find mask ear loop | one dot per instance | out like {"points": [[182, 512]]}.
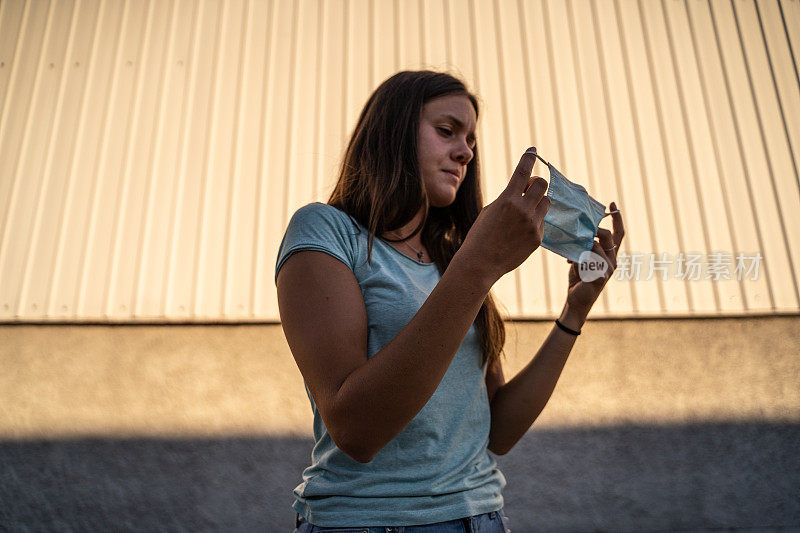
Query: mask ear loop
{"points": [[540, 158], [537, 156]]}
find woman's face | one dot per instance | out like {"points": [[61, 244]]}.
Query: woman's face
{"points": [[444, 146]]}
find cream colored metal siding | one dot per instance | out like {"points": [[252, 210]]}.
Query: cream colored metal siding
{"points": [[152, 152]]}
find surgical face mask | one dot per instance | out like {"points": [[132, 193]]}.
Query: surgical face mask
{"points": [[571, 223]]}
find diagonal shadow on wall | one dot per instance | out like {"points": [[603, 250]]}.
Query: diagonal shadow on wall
{"points": [[625, 478]]}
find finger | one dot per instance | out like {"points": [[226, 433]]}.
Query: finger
{"points": [[607, 242], [610, 253], [598, 249], [536, 190], [530, 182], [541, 209], [617, 225], [521, 176], [605, 238]]}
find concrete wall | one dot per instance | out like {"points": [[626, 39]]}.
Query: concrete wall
{"points": [[655, 425]]}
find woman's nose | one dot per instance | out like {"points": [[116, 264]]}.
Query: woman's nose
{"points": [[463, 154]]}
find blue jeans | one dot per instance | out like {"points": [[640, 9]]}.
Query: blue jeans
{"points": [[493, 522]]}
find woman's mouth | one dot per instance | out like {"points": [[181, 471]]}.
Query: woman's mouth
{"points": [[454, 174]]}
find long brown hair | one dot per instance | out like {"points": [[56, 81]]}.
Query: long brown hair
{"points": [[380, 184]]}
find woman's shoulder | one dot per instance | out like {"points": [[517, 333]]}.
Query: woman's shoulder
{"points": [[322, 227], [318, 213]]}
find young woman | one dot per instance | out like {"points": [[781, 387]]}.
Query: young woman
{"points": [[384, 300]]}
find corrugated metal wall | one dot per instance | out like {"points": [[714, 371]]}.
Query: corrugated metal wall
{"points": [[151, 152]]}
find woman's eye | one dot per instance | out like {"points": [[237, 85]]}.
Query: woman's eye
{"points": [[445, 131]]}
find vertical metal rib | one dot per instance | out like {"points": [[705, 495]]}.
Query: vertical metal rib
{"points": [[13, 197], [257, 277], [47, 171], [637, 133], [183, 154], [741, 148], [612, 137], [664, 141], [777, 93], [97, 176], [210, 143]]}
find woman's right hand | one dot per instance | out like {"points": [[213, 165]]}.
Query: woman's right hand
{"points": [[509, 229]]}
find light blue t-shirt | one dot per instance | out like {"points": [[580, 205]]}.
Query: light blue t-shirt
{"points": [[438, 467]]}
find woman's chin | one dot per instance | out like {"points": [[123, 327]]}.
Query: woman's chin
{"points": [[442, 203], [443, 199]]}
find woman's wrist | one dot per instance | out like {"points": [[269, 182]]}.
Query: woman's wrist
{"points": [[572, 317], [477, 271]]}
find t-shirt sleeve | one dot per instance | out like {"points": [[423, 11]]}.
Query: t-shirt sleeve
{"points": [[323, 228]]}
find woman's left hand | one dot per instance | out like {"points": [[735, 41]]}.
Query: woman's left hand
{"points": [[583, 294]]}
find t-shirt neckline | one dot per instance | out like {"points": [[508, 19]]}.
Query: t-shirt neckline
{"points": [[415, 261], [395, 250]]}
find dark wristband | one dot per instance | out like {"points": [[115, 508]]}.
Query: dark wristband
{"points": [[565, 328]]}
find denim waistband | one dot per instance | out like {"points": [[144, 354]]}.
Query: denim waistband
{"points": [[467, 520]]}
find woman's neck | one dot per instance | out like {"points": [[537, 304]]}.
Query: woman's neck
{"points": [[412, 245], [407, 229]]}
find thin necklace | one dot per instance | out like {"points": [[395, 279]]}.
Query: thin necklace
{"points": [[419, 254]]}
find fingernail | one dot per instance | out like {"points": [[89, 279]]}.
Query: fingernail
{"points": [[531, 150]]}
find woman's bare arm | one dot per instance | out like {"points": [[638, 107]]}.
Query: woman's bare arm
{"points": [[364, 402], [518, 403]]}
